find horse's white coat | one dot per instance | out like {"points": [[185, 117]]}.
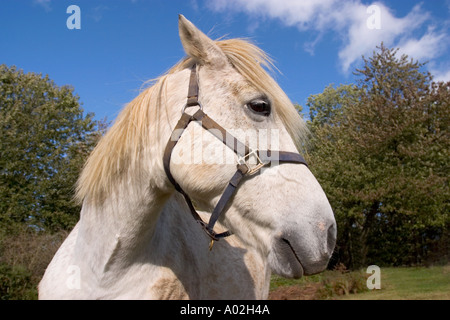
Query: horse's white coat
{"points": [[140, 240]]}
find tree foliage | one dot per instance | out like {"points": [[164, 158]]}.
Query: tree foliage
{"points": [[44, 140], [380, 148]]}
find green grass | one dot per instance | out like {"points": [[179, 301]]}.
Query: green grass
{"points": [[410, 284], [326, 285], [413, 283]]}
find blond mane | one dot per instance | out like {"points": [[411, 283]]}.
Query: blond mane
{"points": [[118, 152]]}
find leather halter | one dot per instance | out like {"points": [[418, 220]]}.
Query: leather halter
{"points": [[241, 149]]}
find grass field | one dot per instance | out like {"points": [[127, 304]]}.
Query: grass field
{"points": [[412, 283]]}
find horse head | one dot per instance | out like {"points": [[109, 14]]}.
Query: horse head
{"points": [[281, 210]]}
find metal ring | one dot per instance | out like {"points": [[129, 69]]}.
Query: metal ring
{"points": [[259, 164], [193, 105]]}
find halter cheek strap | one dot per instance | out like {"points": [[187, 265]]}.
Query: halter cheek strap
{"points": [[241, 149]]}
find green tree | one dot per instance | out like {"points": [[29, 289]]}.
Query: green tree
{"points": [[44, 140], [380, 149]]}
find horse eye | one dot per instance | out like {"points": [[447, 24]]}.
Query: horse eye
{"points": [[260, 106]]}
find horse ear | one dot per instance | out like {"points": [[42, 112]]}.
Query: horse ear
{"points": [[198, 46]]}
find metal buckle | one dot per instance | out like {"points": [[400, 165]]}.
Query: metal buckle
{"points": [[243, 161]]}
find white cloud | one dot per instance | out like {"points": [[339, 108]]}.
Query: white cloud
{"points": [[441, 74], [291, 12], [44, 3], [429, 46], [360, 39], [96, 13], [352, 21]]}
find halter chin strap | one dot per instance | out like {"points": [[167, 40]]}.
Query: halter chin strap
{"points": [[241, 149]]}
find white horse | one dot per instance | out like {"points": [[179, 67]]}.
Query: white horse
{"points": [[136, 238]]}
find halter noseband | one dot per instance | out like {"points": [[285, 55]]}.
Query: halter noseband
{"points": [[243, 151]]}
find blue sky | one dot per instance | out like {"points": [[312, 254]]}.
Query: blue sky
{"points": [[123, 43]]}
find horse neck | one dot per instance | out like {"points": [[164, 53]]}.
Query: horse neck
{"points": [[111, 235], [179, 244], [158, 232], [113, 232]]}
